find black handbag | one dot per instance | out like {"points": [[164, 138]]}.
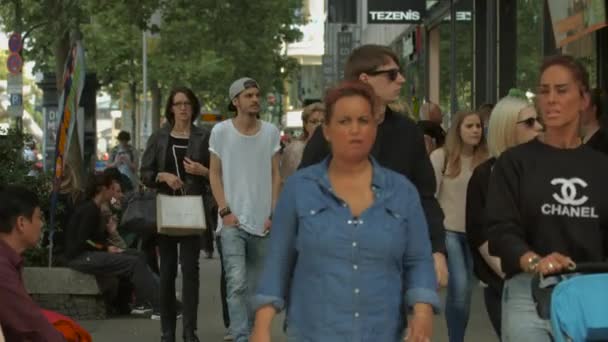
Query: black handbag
{"points": [[139, 215]]}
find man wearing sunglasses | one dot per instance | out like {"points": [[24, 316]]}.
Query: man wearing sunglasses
{"points": [[399, 143]]}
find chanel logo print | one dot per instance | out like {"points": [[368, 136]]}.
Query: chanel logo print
{"points": [[568, 193]]}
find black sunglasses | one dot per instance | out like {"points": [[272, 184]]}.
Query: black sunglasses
{"points": [[391, 73], [529, 122]]}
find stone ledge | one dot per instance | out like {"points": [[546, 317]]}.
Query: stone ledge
{"points": [[59, 280], [71, 293]]}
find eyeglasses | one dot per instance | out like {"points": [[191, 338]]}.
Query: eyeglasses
{"points": [[316, 122], [391, 73], [182, 104], [529, 122]]}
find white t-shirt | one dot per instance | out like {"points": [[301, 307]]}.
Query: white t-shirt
{"points": [[246, 171]]}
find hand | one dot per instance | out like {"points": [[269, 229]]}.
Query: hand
{"points": [[195, 168], [554, 263], [112, 225], [115, 250], [267, 225], [171, 180], [420, 328], [441, 269], [259, 335], [230, 220]]}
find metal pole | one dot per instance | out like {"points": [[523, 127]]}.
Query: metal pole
{"points": [[144, 107], [453, 66]]}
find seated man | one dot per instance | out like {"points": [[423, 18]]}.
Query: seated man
{"points": [[88, 251], [20, 228]]}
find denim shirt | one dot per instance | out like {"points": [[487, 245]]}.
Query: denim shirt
{"points": [[345, 278]]}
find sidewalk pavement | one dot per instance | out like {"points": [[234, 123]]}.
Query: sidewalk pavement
{"points": [[211, 328]]}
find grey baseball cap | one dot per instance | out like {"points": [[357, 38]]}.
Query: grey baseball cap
{"points": [[238, 86]]}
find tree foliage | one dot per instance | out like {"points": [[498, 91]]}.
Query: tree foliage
{"points": [[205, 44]]}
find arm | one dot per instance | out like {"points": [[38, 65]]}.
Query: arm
{"points": [[316, 149], [215, 178], [475, 213], [506, 233], [276, 179], [438, 162], [424, 179], [149, 169], [418, 277], [274, 283], [19, 312]]}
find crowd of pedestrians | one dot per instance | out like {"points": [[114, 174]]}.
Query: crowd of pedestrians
{"points": [[354, 227]]}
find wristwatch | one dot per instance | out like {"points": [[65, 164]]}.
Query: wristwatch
{"points": [[225, 212], [533, 262]]}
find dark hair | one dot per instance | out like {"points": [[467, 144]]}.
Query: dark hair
{"points": [[575, 67], [345, 89], [123, 136], [196, 105], [367, 58], [599, 99], [97, 181], [16, 201]]}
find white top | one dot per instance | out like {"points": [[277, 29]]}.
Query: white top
{"points": [[246, 171], [452, 192]]}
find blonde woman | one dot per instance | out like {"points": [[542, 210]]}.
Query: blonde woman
{"points": [[513, 121], [465, 148], [312, 116]]}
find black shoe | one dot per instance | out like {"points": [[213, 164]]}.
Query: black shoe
{"points": [[191, 337]]}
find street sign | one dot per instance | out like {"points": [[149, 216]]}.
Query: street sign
{"points": [[16, 99], [15, 111], [14, 42], [14, 83], [14, 63]]}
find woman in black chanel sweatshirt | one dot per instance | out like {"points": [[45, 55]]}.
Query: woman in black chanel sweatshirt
{"points": [[547, 204]]}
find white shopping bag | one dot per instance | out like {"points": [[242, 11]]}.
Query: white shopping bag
{"points": [[180, 215]]}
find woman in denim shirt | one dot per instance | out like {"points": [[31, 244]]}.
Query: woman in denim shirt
{"points": [[349, 247]]}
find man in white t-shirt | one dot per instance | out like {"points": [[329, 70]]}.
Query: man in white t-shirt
{"points": [[244, 175]]}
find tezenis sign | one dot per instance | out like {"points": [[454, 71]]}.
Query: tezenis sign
{"points": [[395, 11]]}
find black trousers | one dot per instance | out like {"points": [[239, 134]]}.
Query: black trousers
{"points": [[189, 251], [129, 264], [493, 299], [223, 291]]}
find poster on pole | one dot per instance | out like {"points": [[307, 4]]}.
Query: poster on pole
{"points": [[73, 84], [573, 19]]}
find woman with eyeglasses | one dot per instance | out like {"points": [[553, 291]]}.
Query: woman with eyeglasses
{"points": [[513, 121], [176, 162], [465, 148], [312, 117], [547, 206]]}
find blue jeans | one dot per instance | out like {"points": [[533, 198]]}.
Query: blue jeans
{"points": [[460, 284], [243, 258], [520, 321]]}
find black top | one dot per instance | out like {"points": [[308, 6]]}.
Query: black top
{"points": [[433, 130], [599, 141], [477, 233], [174, 163], [399, 146], [546, 199], [85, 224]]}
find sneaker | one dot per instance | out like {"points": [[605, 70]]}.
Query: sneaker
{"points": [[155, 316], [228, 337], [141, 310]]}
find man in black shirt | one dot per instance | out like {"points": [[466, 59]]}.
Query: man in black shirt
{"points": [[399, 144], [430, 124], [594, 135]]}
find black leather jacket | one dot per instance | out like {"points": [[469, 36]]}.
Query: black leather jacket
{"points": [[153, 160]]}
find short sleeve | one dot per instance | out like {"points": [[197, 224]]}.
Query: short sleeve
{"points": [[276, 139], [214, 140]]}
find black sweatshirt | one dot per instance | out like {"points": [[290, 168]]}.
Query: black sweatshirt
{"points": [[477, 232], [85, 224], [399, 146], [545, 199], [599, 141]]}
